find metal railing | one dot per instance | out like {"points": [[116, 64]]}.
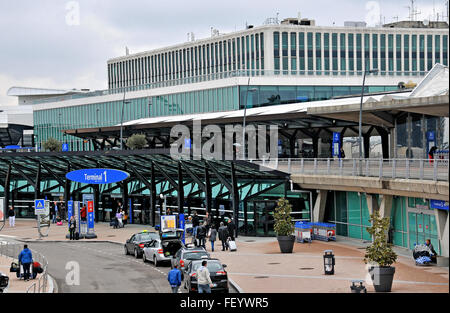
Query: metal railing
{"points": [[436, 170], [224, 75], [12, 250]]}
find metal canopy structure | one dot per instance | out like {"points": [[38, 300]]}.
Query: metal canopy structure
{"points": [[152, 170]]}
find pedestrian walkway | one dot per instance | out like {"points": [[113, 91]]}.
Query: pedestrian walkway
{"points": [[15, 285], [258, 266]]}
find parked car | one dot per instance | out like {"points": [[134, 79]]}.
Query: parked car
{"points": [[171, 241], [153, 252], [219, 276], [136, 243], [187, 254]]}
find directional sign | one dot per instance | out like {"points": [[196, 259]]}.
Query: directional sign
{"points": [[39, 207], [439, 204], [65, 147], [97, 176]]}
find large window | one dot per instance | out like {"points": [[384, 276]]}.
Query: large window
{"points": [[391, 54], [343, 56], [351, 54], [429, 52], [445, 49], [284, 44], [406, 68], [276, 51], [398, 53], [383, 54], [437, 49], [294, 53], [359, 54], [310, 53], [334, 52], [374, 51], [326, 52], [414, 54], [318, 53], [301, 52]]}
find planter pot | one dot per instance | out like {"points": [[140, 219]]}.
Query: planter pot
{"points": [[382, 278], [286, 243]]}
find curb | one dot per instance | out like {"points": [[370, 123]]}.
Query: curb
{"points": [[235, 286]]}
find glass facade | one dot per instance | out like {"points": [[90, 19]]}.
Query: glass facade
{"points": [[412, 221], [260, 96], [50, 123]]}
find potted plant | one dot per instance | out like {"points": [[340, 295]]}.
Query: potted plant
{"points": [[283, 226], [379, 255]]}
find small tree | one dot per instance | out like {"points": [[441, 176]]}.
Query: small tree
{"points": [[136, 141], [283, 221], [52, 145], [380, 251]]}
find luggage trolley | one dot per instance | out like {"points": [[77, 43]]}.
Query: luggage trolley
{"points": [[303, 232]]}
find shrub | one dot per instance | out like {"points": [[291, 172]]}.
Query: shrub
{"points": [[136, 141], [380, 251], [283, 221], [52, 144]]}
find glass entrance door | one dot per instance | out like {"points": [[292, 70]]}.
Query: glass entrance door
{"points": [[422, 227], [263, 217]]}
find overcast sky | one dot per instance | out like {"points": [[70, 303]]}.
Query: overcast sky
{"points": [[66, 44]]}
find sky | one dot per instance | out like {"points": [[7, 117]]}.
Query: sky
{"points": [[66, 44]]}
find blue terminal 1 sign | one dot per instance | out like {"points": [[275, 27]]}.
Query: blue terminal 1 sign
{"points": [[97, 176], [439, 204]]}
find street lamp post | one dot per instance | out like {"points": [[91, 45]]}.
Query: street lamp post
{"points": [[245, 115], [121, 121], [360, 118]]}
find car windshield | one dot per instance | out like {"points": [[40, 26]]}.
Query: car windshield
{"points": [[147, 236], [212, 266], [195, 255]]}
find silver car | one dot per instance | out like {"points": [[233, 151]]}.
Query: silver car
{"points": [[154, 253]]}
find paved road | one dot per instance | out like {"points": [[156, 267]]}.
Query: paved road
{"points": [[103, 268]]}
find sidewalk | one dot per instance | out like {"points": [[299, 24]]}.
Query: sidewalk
{"points": [[15, 285], [258, 266]]}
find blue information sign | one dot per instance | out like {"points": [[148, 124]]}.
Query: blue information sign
{"points": [[439, 204], [39, 206], [182, 226], [65, 147], [130, 211], [336, 144], [97, 176], [69, 209]]}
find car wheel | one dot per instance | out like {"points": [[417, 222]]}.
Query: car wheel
{"points": [[144, 258], [126, 250], [155, 261], [136, 254]]}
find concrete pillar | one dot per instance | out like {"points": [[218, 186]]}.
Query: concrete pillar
{"points": [[386, 206], [319, 206], [442, 228], [372, 203]]}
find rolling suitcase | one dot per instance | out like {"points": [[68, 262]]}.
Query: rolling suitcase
{"points": [[232, 245], [77, 236]]}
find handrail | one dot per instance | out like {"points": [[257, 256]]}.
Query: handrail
{"points": [[422, 169], [12, 250]]}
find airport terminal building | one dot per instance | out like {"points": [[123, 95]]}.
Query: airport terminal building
{"points": [[304, 79]]}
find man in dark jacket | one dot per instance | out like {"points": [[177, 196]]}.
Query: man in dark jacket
{"points": [[223, 236], [201, 235], [26, 258], [231, 227], [195, 223]]}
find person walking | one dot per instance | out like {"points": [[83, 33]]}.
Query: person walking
{"points": [[52, 212], [26, 258], [431, 154], [195, 224], [119, 218], [201, 235], [72, 227], [231, 228], [223, 236], [124, 217], [212, 237], [174, 278], [204, 279], [12, 217]]}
